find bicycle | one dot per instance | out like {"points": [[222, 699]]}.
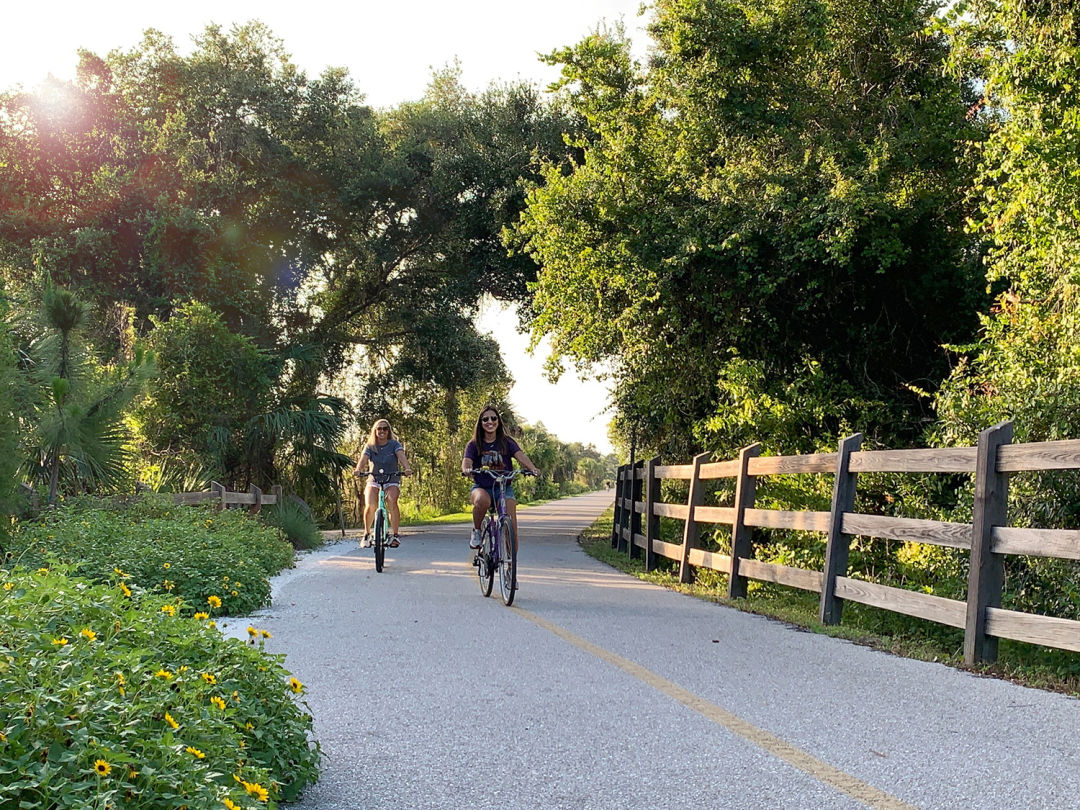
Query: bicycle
{"points": [[382, 515], [498, 541]]}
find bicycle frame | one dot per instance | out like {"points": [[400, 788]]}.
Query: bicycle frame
{"points": [[382, 515], [492, 555]]}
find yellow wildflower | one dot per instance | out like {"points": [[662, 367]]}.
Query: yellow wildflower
{"points": [[202, 615], [218, 702], [88, 634], [234, 593], [256, 790], [231, 805], [172, 723], [210, 679], [8, 586], [195, 752], [252, 631], [163, 673], [168, 584], [166, 566], [296, 686], [125, 589], [102, 767], [59, 642], [214, 601], [265, 634], [168, 610]]}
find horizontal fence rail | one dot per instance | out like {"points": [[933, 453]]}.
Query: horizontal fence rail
{"points": [[988, 538], [223, 498]]}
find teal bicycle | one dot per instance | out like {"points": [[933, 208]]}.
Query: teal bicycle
{"points": [[382, 515]]}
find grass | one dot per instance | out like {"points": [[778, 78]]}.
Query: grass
{"points": [[1028, 665]]}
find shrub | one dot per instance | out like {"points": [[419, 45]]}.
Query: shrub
{"points": [[109, 698], [295, 522], [188, 552]]}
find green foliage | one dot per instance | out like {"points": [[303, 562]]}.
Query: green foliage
{"points": [[295, 522], [776, 192], [211, 380], [110, 699], [74, 418], [196, 554], [9, 434]]}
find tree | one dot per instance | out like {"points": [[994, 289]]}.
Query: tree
{"points": [[77, 433], [770, 205], [1026, 364]]}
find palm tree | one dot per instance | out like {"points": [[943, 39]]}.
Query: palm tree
{"points": [[77, 408]]}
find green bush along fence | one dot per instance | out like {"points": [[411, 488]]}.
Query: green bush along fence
{"points": [[988, 537]]}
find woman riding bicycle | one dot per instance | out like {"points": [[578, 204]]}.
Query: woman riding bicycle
{"points": [[382, 453], [491, 447]]}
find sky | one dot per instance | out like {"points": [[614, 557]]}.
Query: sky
{"points": [[390, 49]]}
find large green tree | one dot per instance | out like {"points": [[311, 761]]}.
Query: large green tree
{"points": [[1026, 367], [764, 233]]}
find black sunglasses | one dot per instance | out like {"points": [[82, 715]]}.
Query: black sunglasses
{"points": [[489, 419]]}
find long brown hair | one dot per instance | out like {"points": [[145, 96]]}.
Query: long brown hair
{"points": [[478, 431]]}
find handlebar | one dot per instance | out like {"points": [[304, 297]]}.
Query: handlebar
{"points": [[380, 476], [498, 475]]}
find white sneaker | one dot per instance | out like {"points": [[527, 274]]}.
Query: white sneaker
{"points": [[366, 542], [474, 541]]}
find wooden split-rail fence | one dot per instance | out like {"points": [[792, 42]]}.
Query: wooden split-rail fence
{"points": [[988, 537], [223, 498]]}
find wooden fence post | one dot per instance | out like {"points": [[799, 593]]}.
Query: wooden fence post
{"points": [[652, 521], [276, 491], [257, 506], [616, 521], [838, 544], [221, 491], [635, 514], [986, 573], [690, 530], [745, 489]]}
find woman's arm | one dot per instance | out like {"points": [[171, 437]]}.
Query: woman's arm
{"points": [[363, 463], [524, 461], [403, 462]]}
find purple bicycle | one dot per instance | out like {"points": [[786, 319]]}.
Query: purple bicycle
{"points": [[498, 542]]}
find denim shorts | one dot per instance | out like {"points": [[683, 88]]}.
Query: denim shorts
{"points": [[508, 491]]}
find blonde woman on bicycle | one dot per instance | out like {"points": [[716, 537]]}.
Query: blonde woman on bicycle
{"points": [[383, 452], [491, 447]]}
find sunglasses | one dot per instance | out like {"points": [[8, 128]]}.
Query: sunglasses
{"points": [[383, 427], [489, 419]]}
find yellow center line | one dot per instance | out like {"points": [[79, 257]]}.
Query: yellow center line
{"points": [[770, 743]]}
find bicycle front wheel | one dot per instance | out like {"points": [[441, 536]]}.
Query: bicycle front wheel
{"points": [[507, 561], [485, 570], [380, 540]]}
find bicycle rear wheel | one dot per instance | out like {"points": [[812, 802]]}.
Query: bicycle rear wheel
{"points": [[380, 540], [507, 561], [484, 568]]}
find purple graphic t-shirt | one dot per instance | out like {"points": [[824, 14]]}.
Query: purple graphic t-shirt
{"points": [[491, 455]]}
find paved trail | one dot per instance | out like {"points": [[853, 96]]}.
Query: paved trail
{"points": [[598, 691]]}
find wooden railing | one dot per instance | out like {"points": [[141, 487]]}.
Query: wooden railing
{"points": [[218, 494], [988, 537]]}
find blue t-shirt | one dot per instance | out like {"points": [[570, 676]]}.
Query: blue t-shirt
{"points": [[384, 458], [491, 455]]}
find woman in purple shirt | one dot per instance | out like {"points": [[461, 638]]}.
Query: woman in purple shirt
{"points": [[491, 447]]}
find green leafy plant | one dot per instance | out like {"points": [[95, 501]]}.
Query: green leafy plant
{"points": [[108, 697], [195, 554]]}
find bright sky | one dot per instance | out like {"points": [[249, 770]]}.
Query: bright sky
{"points": [[390, 49]]}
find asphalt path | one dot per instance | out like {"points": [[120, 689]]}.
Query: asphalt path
{"points": [[596, 690]]}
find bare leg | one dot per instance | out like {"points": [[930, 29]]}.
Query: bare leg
{"points": [[392, 507], [480, 503], [371, 502], [511, 510]]}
